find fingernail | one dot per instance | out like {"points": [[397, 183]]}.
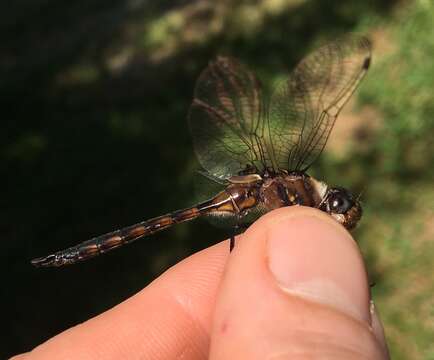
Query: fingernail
{"points": [[377, 328], [312, 258]]}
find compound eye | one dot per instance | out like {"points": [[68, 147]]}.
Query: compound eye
{"points": [[340, 203]]}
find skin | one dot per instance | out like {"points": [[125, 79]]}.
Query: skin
{"points": [[295, 287]]}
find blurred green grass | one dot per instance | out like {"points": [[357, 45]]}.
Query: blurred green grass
{"points": [[398, 233], [94, 137]]}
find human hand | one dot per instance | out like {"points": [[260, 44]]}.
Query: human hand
{"points": [[294, 287]]}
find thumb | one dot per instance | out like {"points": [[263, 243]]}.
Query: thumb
{"points": [[295, 287]]}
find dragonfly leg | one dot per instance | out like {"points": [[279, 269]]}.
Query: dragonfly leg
{"points": [[238, 229], [232, 243]]}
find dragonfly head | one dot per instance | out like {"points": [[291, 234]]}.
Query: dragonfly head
{"points": [[342, 206]]}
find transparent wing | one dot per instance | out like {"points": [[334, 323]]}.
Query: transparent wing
{"points": [[226, 119], [304, 107]]}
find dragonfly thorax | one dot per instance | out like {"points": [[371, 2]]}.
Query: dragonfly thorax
{"points": [[292, 189]]}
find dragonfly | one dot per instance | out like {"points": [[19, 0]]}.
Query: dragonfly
{"points": [[258, 144]]}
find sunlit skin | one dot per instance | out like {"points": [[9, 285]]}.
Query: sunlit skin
{"points": [[254, 303]]}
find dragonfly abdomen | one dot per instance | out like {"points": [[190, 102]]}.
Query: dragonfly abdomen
{"points": [[101, 244], [234, 199]]}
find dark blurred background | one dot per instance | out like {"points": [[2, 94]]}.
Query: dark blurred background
{"points": [[94, 96]]}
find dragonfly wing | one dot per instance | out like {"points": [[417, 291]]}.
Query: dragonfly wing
{"points": [[225, 119], [304, 107]]}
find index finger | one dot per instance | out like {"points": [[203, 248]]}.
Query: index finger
{"points": [[170, 318]]}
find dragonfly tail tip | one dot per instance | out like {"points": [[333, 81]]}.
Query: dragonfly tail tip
{"points": [[44, 261]]}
